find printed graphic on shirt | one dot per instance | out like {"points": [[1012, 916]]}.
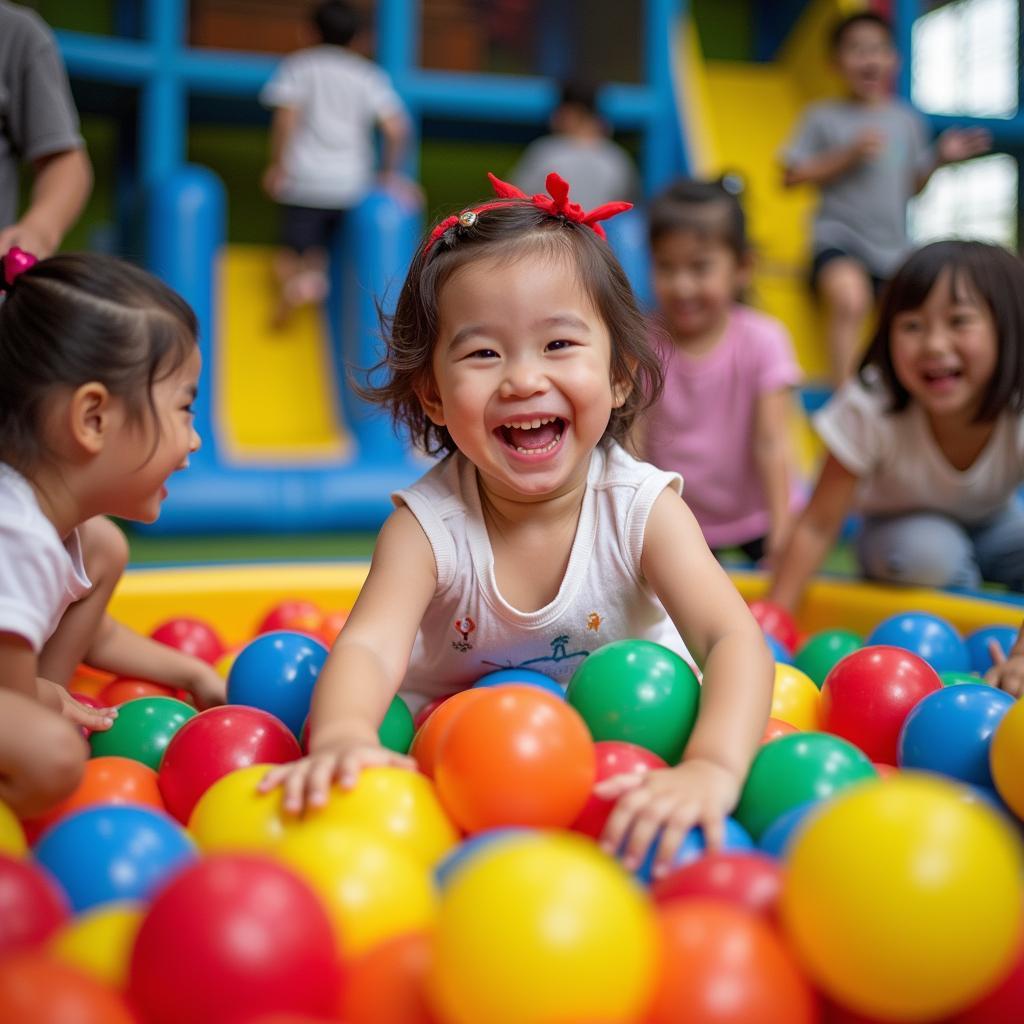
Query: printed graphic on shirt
{"points": [[594, 622], [560, 662], [464, 627]]}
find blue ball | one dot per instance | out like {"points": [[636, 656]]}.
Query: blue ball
{"points": [[693, 846], [778, 649], [927, 636], [524, 676], [467, 850], [777, 836], [277, 672], [950, 732], [977, 645], [113, 852]]}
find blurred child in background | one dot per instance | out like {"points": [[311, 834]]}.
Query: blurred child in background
{"points": [[723, 419]]}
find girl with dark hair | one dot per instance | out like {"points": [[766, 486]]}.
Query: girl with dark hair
{"points": [[98, 372], [928, 440], [517, 349]]}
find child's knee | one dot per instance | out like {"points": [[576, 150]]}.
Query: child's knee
{"points": [[57, 766], [921, 557], [104, 549]]}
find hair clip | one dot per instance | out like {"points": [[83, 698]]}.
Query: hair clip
{"points": [[15, 263], [556, 203]]}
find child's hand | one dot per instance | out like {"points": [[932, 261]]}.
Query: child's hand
{"points": [[273, 180], [1007, 673], [956, 144], [307, 782], [869, 144], [671, 800], [94, 719], [207, 686]]}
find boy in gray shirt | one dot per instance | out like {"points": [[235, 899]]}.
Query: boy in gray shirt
{"points": [[868, 153]]}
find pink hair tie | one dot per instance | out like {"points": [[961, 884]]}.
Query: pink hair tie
{"points": [[15, 263]]}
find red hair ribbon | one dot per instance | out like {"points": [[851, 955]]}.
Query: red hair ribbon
{"points": [[16, 262], [557, 203]]}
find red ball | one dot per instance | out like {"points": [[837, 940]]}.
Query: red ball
{"points": [[868, 694], [515, 755], [120, 691], [193, 636], [749, 879], [776, 728], [214, 743], [387, 984], [428, 709], [722, 964], [32, 906], [1004, 1003], [231, 938], [613, 758], [296, 616], [777, 622]]}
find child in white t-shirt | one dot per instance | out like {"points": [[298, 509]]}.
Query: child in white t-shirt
{"points": [[98, 372], [327, 101], [928, 440]]}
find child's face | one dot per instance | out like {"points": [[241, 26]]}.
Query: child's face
{"points": [[696, 281], [143, 468], [867, 61], [521, 374], [945, 351]]}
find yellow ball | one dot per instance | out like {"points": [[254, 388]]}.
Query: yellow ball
{"points": [[100, 941], [1007, 758], [371, 889], [543, 929], [12, 835], [225, 661], [396, 804], [902, 899], [795, 698], [232, 816]]}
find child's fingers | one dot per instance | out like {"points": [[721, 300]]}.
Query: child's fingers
{"points": [[295, 787], [321, 776], [679, 823], [397, 760], [647, 820], [713, 827], [995, 652], [275, 777], [614, 786]]}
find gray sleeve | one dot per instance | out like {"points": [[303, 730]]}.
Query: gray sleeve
{"points": [[41, 118], [922, 153], [531, 170], [808, 139]]}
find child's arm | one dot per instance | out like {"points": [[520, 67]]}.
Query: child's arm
{"points": [[735, 697], [774, 458], [814, 533], [395, 134], [952, 146], [1007, 672], [282, 128], [364, 669], [834, 163]]}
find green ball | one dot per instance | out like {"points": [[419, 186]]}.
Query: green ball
{"points": [[954, 678], [639, 692], [142, 729], [396, 731], [821, 652], [794, 769]]}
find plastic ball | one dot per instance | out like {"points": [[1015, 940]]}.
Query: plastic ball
{"points": [[396, 730], [638, 692], [108, 853], [99, 942], [824, 650], [296, 615], [777, 622], [723, 964], [515, 756], [780, 652], [958, 678], [795, 698], [32, 905], [12, 835], [142, 730], [613, 758], [394, 804], [869, 694], [193, 636], [105, 780], [693, 847], [331, 627], [568, 919], [880, 924], [1002, 1003], [38, 989], [387, 985], [431, 733], [371, 889], [928, 636], [777, 837], [794, 769], [978, 644], [1006, 758], [776, 728], [277, 672], [743, 877], [120, 691], [950, 732], [215, 743], [230, 938], [233, 816], [225, 661], [421, 716], [468, 849], [521, 676]]}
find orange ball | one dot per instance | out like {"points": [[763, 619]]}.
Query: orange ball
{"points": [[428, 738], [331, 625], [515, 756], [37, 990], [298, 615], [387, 984], [723, 964], [120, 691], [775, 728]]}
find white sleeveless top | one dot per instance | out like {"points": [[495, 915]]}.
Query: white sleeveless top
{"points": [[469, 629]]}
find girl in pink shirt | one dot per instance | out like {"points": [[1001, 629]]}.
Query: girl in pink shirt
{"points": [[723, 418]]}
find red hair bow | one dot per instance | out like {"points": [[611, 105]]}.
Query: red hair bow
{"points": [[16, 262], [556, 203]]}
